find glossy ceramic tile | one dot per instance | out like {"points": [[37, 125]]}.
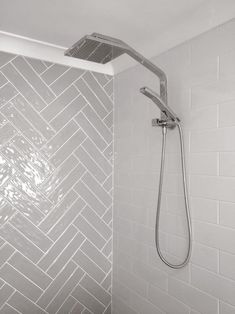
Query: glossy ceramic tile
{"points": [[55, 188], [201, 78]]}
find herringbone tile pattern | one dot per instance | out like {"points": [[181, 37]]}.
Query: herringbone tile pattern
{"points": [[56, 145]]}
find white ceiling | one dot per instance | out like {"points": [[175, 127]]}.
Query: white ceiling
{"points": [[150, 26]]}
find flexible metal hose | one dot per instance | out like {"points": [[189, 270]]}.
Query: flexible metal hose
{"points": [[186, 201]]}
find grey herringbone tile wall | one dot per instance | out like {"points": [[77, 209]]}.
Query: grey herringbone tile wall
{"points": [[56, 144]]}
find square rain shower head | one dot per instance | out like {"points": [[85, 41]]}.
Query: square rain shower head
{"points": [[96, 48]]}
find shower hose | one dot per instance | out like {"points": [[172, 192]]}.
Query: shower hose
{"points": [[186, 201]]}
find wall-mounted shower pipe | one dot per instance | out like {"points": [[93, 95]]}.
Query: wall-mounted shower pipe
{"points": [[153, 68], [102, 49]]}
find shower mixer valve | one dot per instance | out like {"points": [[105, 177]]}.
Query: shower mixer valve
{"points": [[168, 123]]}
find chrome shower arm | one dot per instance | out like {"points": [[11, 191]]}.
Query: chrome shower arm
{"points": [[153, 68]]}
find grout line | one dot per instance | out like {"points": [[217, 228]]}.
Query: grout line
{"points": [[84, 310], [90, 260], [72, 309], [53, 177], [74, 119], [20, 173], [218, 68], [54, 136], [100, 182], [28, 279], [20, 114], [36, 113], [101, 87], [100, 185], [99, 251], [95, 73], [99, 119], [69, 296], [1, 67], [53, 246], [92, 125], [5, 84], [13, 215], [47, 68], [64, 108], [27, 83], [72, 221], [67, 194], [55, 223], [106, 174], [36, 227], [58, 256], [6, 261], [14, 290], [89, 87], [26, 238], [13, 308], [22, 193], [65, 177], [57, 96], [110, 255], [11, 143], [53, 279], [93, 295], [19, 133], [35, 265], [93, 194], [108, 82], [60, 288], [218, 213], [218, 263], [92, 228], [95, 214], [99, 284], [45, 63], [106, 276], [69, 68], [75, 133], [102, 217], [10, 100], [55, 206], [39, 77], [70, 85]]}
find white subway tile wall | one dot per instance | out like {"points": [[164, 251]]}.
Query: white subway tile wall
{"points": [[56, 169], [201, 87]]}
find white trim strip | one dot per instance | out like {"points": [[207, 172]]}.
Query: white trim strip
{"points": [[47, 52]]}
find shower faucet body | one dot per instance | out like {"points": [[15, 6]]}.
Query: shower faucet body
{"points": [[102, 49]]}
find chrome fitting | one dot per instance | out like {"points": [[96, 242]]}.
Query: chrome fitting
{"points": [[170, 124]]}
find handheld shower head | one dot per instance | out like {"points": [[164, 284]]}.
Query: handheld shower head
{"points": [[167, 111]]}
